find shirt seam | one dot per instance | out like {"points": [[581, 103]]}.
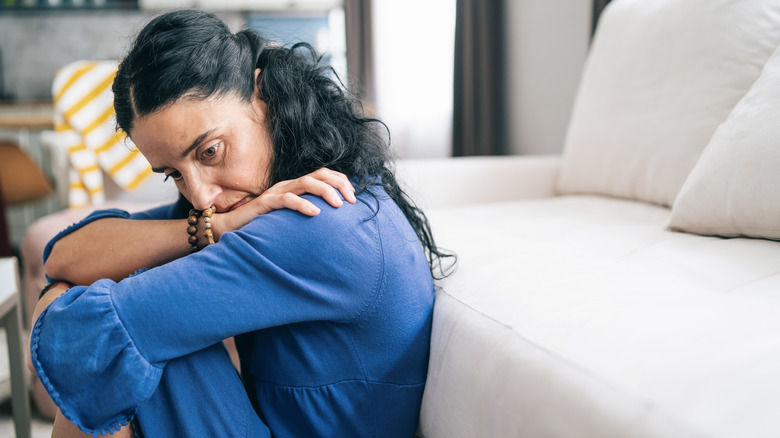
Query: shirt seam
{"points": [[369, 305], [124, 327], [379, 272]]}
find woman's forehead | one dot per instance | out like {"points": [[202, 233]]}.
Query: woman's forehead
{"points": [[185, 118]]}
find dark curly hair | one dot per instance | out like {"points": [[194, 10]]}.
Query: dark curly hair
{"points": [[314, 121]]}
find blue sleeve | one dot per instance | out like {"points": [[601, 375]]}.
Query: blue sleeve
{"points": [[162, 212], [167, 211], [281, 268]]}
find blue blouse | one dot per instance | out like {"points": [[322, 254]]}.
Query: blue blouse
{"points": [[334, 311]]}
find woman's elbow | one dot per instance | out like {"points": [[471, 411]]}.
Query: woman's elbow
{"points": [[54, 269], [58, 266]]}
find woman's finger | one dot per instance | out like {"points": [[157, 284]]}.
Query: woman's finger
{"points": [[320, 188], [325, 183], [292, 201], [311, 185], [338, 181], [321, 182]]}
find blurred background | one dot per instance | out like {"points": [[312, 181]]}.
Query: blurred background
{"points": [[525, 58], [448, 77], [409, 86]]}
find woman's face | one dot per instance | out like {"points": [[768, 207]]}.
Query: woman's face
{"points": [[217, 150]]}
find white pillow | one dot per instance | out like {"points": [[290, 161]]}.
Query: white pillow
{"points": [[734, 190], [660, 77]]}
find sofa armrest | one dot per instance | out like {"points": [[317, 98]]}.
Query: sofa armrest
{"points": [[445, 182]]}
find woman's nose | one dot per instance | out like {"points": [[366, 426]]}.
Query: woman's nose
{"points": [[203, 194]]}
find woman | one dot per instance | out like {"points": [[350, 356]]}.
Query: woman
{"points": [[331, 307]]}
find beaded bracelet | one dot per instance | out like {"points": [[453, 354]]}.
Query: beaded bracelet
{"points": [[52, 284], [192, 229], [207, 233]]}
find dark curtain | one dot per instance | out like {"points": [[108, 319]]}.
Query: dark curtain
{"points": [[360, 57], [598, 6], [479, 126]]}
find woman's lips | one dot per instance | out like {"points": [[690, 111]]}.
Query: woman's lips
{"points": [[238, 204]]}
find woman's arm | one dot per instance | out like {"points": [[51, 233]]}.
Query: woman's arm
{"points": [[282, 268], [114, 248]]}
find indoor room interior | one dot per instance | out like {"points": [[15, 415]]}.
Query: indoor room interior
{"points": [[605, 171]]}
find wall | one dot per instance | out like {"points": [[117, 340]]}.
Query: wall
{"points": [[547, 43], [35, 45]]}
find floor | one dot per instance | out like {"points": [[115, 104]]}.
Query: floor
{"points": [[41, 428]]}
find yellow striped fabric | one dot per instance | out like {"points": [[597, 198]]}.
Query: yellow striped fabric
{"points": [[85, 122]]}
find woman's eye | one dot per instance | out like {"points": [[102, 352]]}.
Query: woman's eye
{"points": [[176, 175], [209, 152]]}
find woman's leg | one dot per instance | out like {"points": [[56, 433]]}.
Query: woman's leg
{"points": [[200, 395], [63, 428]]}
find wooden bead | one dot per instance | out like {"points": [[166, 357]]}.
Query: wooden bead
{"points": [[193, 240], [192, 220], [192, 230], [209, 235]]}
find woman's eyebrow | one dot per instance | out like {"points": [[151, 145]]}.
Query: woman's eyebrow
{"points": [[190, 148], [198, 141]]}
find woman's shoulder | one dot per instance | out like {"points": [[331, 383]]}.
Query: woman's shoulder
{"points": [[340, 247], [346, 232], [331, 220]]}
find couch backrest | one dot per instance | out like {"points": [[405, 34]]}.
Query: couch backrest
{"points": [[661, 76]]}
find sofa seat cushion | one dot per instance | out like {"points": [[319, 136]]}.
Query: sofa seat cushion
{"points": [[582, 316]]}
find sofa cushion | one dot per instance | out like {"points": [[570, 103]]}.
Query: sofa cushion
{"points": [[21, 180], [660, 77], [733, 190], [582, 316]]}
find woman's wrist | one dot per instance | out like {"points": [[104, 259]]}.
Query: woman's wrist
{"points": [[53, 285], [203, 228], [219, 224]]}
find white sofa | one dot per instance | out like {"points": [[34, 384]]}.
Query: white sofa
{"points": [[629, 287]]}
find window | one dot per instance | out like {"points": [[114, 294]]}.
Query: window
{"points": [[323, 29]]}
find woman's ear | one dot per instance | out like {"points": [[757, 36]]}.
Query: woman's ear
{"points": [[257, 80]]}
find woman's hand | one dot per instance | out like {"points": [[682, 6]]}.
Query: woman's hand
{"points": [[287, 194]]}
